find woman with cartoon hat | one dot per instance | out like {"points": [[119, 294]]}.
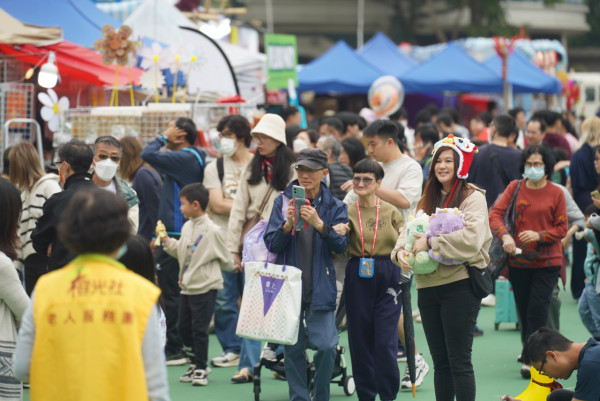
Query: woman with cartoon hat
{"points": [[446, 300]]}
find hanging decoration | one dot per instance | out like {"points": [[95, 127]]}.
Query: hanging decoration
{"points": [[52, 108], [116, 48]]}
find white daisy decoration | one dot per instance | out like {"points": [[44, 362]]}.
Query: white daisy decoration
{"points": [[52, 108], [156, 56], [152, 79]]}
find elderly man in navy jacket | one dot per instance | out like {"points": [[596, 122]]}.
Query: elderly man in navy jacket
{"points": [[310, 250]]}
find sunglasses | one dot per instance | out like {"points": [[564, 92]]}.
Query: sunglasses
{"points": [[366, 180], [115, 159]]}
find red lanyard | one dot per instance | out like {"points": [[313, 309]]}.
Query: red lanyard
{"points": [[362, 235]]}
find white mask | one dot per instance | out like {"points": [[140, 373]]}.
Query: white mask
{"points": [[106, 169], [298, 145], [227, 146]]}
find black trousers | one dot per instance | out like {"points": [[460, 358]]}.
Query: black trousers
{"points": [[577, 273], [560, 395], [449, 313], [167, 272], [35, 266], [195, 313], [533, 291]]}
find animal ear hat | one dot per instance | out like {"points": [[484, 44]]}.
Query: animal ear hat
{"points": [[463, 147]]}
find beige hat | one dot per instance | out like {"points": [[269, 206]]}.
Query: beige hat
{"points": [[271, 125]]}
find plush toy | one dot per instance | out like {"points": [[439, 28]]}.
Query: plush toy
{"points": [[421, 262], [445, 221], [161, 232], [540, 386]]}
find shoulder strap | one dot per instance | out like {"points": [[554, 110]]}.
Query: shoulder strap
{"points": [[499, 168], [264, 202], [220, 168], [195, 153]]}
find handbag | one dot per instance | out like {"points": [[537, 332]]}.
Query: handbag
{"points": [[252, 221], [481, 280], [270, 309], [498, 256]]}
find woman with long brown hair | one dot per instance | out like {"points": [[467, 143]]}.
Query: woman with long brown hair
{"points": [[36, 188], [145, 181], [13, 300], [448, 305]]}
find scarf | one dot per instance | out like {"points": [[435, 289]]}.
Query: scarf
{"points": [[267, 167]]}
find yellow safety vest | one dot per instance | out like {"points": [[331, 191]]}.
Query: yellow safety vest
{"points": [[90, 319]]}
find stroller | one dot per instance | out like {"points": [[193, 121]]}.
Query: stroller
{"points": [[339, 375]]}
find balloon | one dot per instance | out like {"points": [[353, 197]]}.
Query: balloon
{"points": [[386, 95]]}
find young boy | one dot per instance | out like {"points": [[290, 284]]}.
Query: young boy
{"points": [[201, 253]]}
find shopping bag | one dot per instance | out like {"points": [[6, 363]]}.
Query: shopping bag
{"points": [[271, 303], [255, 249], [498, 257]]}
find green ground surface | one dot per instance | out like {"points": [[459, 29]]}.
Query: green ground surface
{"points": [[494, 359]]}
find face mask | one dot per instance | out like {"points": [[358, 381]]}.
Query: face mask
{"points": [[122, 251], [298, 145], [534, 173], [227, 146], [106, 169]]}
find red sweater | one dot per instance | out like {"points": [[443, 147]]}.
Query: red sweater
{"points": [[541, 210]]}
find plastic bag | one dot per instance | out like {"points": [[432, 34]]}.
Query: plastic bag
{"points": [[255, 249]]}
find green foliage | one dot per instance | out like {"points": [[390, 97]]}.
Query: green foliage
{"points": [[592, 38]]}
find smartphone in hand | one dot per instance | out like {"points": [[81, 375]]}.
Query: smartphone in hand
{"points": [[299, 195]]}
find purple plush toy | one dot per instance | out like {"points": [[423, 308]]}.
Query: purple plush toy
{"points": [[445, 221]]}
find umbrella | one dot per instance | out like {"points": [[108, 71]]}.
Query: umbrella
{"points": [[409, 333]]}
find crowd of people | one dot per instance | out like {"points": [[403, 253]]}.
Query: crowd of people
{"points": [[129, 252]]}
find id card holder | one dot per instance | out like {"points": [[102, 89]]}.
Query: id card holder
{"points": [[366, 267]]}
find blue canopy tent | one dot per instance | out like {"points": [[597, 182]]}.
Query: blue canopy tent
{"points": [[80, 20], [383, 54], [338, 70], [524, 76], [451, 70]]}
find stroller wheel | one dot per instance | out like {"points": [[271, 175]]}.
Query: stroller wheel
{"points": [[349, 386], [256, 391]]}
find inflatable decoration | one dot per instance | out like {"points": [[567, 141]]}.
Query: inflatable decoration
{"points": [[386, 96]]}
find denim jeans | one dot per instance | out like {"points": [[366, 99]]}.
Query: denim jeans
{"points": [[449, 313], [320, 335], [227, 312], [589, 309]]}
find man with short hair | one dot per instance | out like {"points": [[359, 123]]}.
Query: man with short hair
{"points": [[183, 165], [444, 124], [331, 126], [555, 356], [338, 173], [535, 131], [552, 136], [350, 124], [426, 136], [222, 179], [75, 158], [291, 115], [107, 156], [496, 164]]}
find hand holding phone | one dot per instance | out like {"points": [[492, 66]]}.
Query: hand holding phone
{"points": [[299, 196]]}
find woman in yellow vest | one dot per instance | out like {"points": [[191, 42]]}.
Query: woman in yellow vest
{"points": [[92, 330]]}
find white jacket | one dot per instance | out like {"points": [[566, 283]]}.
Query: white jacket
{"points": [[33, 203]]}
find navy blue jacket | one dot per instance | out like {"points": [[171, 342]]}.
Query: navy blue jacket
{"points": [[332, 211], [148, 185], [179, 168], [584, 178]]}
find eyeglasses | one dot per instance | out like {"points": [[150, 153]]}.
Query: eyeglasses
{"points": [[302, 169], [260, 138], [366, 180], [227, 134], [102, 156], [536, 164], [541, 369], [58, 164]]}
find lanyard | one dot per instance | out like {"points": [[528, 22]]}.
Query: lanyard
{"points": [[360, 225], [189, 257]]}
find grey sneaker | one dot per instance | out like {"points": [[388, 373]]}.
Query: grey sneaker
{"points": [[199, 378], [421, 370], [225, 360]]}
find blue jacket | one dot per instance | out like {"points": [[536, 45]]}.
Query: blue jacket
{"points": [[332, 211], [179, 168], [584, 178]]}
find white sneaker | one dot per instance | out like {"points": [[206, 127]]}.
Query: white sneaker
{"points": [[421, 370], [268, 354], [490, 300], [199, 378], [187, 376], [225, 360]]}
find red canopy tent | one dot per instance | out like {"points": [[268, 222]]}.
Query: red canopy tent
{"points": [[76, 62]]}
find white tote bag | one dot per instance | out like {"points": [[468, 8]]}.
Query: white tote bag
{"points": [[270, 308]]}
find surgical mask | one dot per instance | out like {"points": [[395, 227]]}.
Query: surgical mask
{"points": [[227, 146], [298, 145], [534, 173], [122, 251], [106, 169]]}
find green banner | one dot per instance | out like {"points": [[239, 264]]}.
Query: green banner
{"points": [[282, 57]]}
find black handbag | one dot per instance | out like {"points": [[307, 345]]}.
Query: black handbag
{"points": [[498, 256], [481, 280]]}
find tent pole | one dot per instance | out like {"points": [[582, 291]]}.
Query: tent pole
{"points": [[360, 29]]}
